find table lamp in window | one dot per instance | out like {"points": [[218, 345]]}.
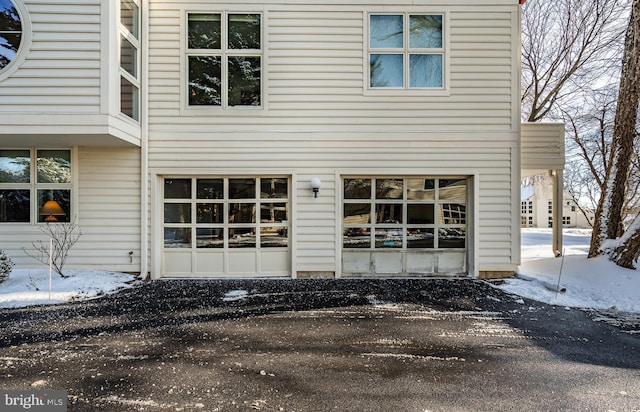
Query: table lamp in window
{"points": [[50, 210]]}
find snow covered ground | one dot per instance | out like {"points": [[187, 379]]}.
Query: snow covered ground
{"points": [[593, 283]]}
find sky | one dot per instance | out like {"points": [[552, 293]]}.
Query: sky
{"points": [[584, 283]]}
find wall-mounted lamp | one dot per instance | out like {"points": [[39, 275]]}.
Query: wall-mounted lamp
{"points": [[315, 186], [51, 209]]}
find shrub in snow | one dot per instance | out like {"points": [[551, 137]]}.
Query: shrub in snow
{"points": [[5, 265]]}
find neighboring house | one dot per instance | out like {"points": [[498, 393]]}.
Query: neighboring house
{"points": [[280, 138], [537, 208]]}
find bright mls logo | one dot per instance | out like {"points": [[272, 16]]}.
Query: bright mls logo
{"points": [[44, 401]]}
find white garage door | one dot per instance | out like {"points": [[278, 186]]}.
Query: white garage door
{"points": [[226, 227], [404, 226]]}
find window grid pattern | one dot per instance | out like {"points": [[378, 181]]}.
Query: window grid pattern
{"points": [[31, 177], [406, 51], [226, 213], [130, 58], [224, 59], [404, 213]]}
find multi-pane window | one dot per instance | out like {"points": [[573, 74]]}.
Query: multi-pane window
{"points": [[407, 213], [31, 178], [566, 220], [406, 51], [10, 32], [130, 58], [226, 212], [224, 59]]}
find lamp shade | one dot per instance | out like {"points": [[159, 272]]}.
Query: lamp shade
{"points": [[50, 210]]}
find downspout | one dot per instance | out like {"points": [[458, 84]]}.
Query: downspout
{"points": [[144, 143]]}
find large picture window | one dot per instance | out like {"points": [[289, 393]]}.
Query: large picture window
{"points": [[246, 212], [35, 185], [224, 59], [406, 51], [404, 213]]}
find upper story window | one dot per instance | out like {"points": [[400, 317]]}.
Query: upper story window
{"points": [[129, 58], [406, 51], [224, 59], [35, 185], [10, 32]]}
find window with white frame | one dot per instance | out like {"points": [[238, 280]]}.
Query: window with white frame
{"points": [[31, 179], [224, 59], [10, 32], [130, 58], [404, 213], [216, 213], [406, 51]]}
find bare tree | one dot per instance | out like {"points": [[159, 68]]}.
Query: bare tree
{"points": [[609, 223], [567, 47], [63, 235]]}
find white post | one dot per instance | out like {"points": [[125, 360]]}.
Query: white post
{"points": [[50, 264]]}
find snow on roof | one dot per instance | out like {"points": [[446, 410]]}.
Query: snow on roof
{"points": [[526, 192]]}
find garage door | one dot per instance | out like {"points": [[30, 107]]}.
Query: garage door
{"points": [[226, 227], [404, 226]]}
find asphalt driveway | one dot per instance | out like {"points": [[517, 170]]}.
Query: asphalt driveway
{"points": [[322, 345]]}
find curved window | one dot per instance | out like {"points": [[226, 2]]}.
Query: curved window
{"points": [[10, 32]]}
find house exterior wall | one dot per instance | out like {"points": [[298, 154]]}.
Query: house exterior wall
{"points": [[106, 206], [320, 120], [66, 85]]}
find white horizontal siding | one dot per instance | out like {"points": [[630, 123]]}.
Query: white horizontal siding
{"points": [[315, 72], [319, 121], [317, 219], [542, 147], [108, 193], [61, 72], [109, 205]]}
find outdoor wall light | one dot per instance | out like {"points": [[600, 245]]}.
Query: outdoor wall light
{"points": [[50, 210], [315, 186]]}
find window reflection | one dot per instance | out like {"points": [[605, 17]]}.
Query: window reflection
{"points": [[421, 189], [242, 188], [420, 238], [389, 213], [274, 188], [451, 238], [209, 238], [209, 189], [10, 33], [15, 205], [273, 237], [356, 237], [177, 213], [175, 237], [54, 166], [389, 238], [273, 212], [355, 213], [389, 188], [452, 214], [15, 166], [209, 213], [357, 188], [242, 237], [177, 188], [420, 214], [242, 213]]}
